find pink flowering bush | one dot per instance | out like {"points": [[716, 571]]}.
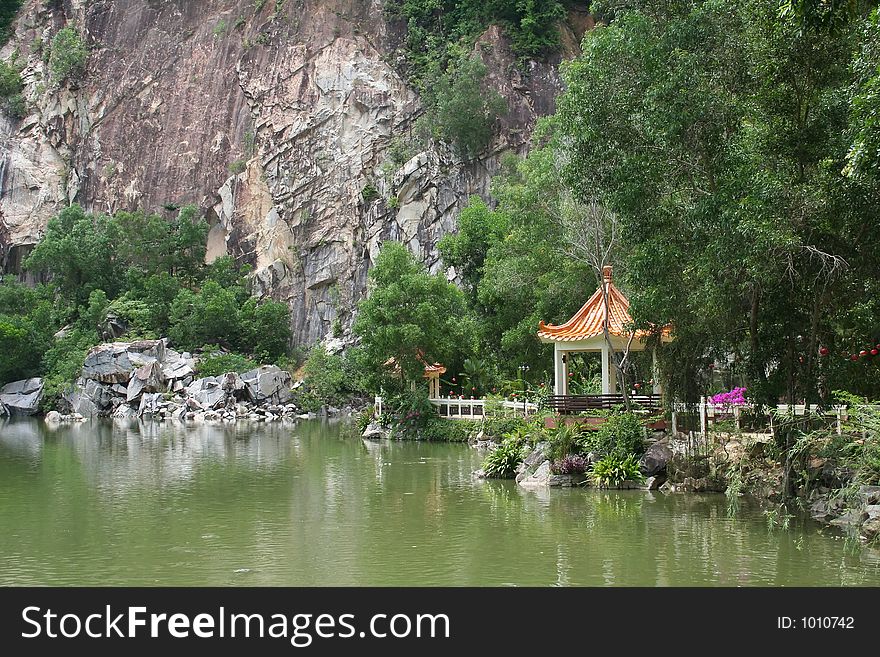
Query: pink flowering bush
{"points": [[735, 397]]}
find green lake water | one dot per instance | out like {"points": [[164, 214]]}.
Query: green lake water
{"points": [[149, 504]]}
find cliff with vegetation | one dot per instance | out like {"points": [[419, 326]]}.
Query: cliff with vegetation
{"points": [[293, 124]]}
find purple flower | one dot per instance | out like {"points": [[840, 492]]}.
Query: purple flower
{"points": [[735, 397]]}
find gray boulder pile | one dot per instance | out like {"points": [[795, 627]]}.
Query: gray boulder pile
{"points": [[148, 379]]}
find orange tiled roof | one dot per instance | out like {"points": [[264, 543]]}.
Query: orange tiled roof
{"points": [[436, 367], [420, 355], [588, 321]]}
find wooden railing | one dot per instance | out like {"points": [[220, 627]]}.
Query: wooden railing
{"points": [[580, 403]]}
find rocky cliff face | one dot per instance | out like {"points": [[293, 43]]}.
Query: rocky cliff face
{"points": [[274, 117]]}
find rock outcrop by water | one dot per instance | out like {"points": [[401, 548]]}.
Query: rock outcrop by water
{"points": [[149, 379], [860, 516], [275, 118], [21, 397]]}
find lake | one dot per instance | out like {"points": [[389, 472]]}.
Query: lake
{"points": [[307, 504]]}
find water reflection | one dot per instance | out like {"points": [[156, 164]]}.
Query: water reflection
{"points": [[302, 504]]}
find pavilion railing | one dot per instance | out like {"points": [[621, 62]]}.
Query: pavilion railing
{"points": [[580, 403]]}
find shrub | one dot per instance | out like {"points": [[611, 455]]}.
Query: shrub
{"points": [[621, 434], [364, 418], [496, 427], [564, 441], [324, 375], [571, 464], [63, 363], [613, 469], [238, 166], [501, 462], [369, 193], [215, 364], [464, 113], [411, 411], [10, 90], [68, 55], [450, 431], [265, 328]]}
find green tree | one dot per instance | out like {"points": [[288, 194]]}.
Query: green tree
{"points": [[478, 228], [10, 90], [716, 131], [79, 251], [464, 111], [209, 316], [409, 316], [67, 55], [266, 328], [324, 374]]}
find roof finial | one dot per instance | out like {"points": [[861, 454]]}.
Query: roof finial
{"points": [[606, 274]]}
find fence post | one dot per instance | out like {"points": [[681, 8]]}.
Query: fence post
{"points": [[703, 419], [736, 410], [674, 422]]}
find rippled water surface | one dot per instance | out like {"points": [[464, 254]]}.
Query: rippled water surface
{"points": [[148, 504]]}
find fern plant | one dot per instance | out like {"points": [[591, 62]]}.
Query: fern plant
{"points": [[613, 469]]}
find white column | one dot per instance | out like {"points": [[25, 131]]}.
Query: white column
{"points": [[560, 371], [606, 370]]}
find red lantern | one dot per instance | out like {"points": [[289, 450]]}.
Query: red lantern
{"points": [[800, 359], [824, 351], [874, 352], [854, 357], [863, 353], [571, 373]]}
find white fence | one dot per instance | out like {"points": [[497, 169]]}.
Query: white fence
{"points": [[475, 409], [468, 409], [710, 412]]}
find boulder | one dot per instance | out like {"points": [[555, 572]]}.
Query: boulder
{"points": [[873, 511], [146, 378], [53, 417], [113, 362], [268, 384], [566, 480], [374, 432], [206, 392], [655, 482], [178, 368], [870, 529], [540, 478], [22, 397], [150, 403], [870, 494], [655, 459], [81, 404], [125, 412], [101, 394], [231, 382], [537, 455]]}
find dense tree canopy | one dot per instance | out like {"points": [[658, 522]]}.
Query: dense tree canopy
{"points": [[409, 316], [736, 143]]}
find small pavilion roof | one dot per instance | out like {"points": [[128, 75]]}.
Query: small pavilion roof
{"points": [[436, 367], [588, 322], [420, 355]]}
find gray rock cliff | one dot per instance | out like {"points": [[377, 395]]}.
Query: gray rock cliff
{"points": [[274, 121]]}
